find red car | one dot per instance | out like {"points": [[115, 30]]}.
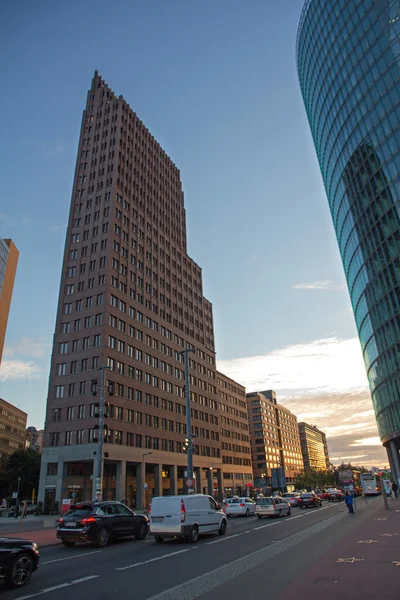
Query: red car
{"points": [[323, 494]]}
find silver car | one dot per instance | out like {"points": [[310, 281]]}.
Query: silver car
{"points": [[239, 507], [272, 507], [292, 498]]}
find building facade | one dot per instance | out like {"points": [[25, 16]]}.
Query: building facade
{"points": [[237, 472], [34, 439], [12, 430], [348, 58], [314, 447], [275, 440], [131, 299], [8, 268]]}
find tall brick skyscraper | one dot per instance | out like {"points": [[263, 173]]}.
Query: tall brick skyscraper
{"points": [[131, 299]]}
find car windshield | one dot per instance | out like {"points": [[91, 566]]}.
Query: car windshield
{"points": [[264, 501], [79, 510], [287, 495], [307, 495]]}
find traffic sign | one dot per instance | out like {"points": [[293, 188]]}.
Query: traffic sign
{"points": [[189, 482], [145, 485]]}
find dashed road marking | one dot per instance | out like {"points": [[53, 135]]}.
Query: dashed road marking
{"points": [[59, 587], [145, 562], [83, 555]]}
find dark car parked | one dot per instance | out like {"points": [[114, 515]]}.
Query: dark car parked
{"points": [[100, 522], [18, 559], [309, 499]]}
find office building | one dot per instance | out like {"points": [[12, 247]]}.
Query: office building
{"points": [[12, 430], [131, 299], [275, 440], [8, 267], [314, 447], [34, 439], [235, 437], [349, 70]]}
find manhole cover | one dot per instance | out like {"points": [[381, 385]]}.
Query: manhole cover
{"points": [[326, 582]]}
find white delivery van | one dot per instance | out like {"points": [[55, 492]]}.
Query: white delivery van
{"points": [[186, 517]]}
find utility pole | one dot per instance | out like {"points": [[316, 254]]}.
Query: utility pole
{"points": [[98, 461], [189, 436]]}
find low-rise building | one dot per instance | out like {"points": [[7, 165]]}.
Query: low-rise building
{"points": [[237, 472], [12, 430], [275, 440]]}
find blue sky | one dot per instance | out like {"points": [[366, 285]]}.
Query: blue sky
{"points": [[216, 84]]}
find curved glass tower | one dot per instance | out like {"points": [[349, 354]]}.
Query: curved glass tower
{"points": [[348, 61]]}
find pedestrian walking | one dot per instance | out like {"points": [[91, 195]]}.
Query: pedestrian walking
{"points": [[395, 489], [349, 501]]}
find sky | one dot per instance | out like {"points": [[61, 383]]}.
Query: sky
{"points": [[216, 84]]}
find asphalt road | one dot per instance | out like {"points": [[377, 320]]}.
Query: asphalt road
{"points": [[255, 556]]}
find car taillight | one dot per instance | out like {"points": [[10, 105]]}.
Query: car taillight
{"points": [[88, 521], [183, 511], [242, 505], [60, 521], [149, 509], [274, 505]]}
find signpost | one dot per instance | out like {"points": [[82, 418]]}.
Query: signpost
{"points": [[189, 483]]}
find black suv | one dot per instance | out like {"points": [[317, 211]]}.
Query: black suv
{"points": [[18, 559], [99, 522]]}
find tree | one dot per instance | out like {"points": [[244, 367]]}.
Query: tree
{"points": [[26, 465], [313, 479]]}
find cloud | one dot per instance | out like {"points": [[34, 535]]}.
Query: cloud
{"points": [[322, 382], [57, 228], [13, 370], [28, 347], [10, 221], [327, 365], [372, 441], [55, 150], [319, 285]]}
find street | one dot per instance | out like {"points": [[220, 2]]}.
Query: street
{"points": [[254, 555]]}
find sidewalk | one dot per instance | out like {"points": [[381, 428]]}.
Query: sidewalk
{"points": [[364, 565], [43, 537], [31, 523]]}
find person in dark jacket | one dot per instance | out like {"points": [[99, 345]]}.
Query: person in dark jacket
{"points": [[349, 501], [395, 489]]}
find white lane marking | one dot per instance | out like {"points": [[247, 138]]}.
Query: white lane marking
{"points": [[247, 531], [223, 539], [48, 562], [268, 525], [145, 562], [59, 587]]}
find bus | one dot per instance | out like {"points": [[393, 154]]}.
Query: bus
{"points": [[370, 484], [350, 480]]}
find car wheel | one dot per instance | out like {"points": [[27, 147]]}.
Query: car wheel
{"points": [[247, 513], [229, 516], [193, 535], [158, 539], [103, 537], [259, 516], [222, 529], [289, 512], [67, 543], [20, 571], [141, 531]]}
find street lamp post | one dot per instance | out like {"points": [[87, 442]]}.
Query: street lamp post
{"points": [[98, 462], [144, 483], [189, 435]]}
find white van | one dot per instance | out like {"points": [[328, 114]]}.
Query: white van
{"points": [[186, 517]]}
